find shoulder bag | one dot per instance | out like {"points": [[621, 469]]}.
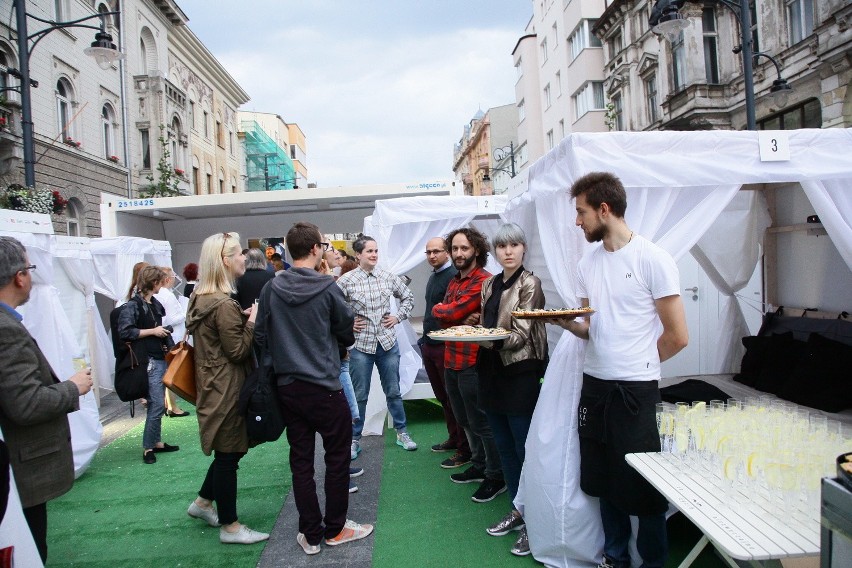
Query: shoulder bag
{"points": [[131, 373], [180, 374]]}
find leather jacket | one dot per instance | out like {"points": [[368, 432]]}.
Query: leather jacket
{"points": [[528, 339]]}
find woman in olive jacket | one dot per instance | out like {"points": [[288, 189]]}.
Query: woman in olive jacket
{"points": [[222, 336], [510, 370]]}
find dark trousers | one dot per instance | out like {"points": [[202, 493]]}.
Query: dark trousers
{"points": [[510, 435], [220, 485], [651, 540], [464, 396], [433, 362], [309, 410], [37, 520]]}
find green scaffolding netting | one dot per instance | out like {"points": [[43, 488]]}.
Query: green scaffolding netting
{"points": [[268, 166]]}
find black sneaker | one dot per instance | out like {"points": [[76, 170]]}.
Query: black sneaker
{"points": [[489, 489], [457, 460], [149, 457], [471, 475], [445, 446]]}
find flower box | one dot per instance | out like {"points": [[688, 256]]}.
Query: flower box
{"points": [[73, 143], [179, 172], [113, 159]]}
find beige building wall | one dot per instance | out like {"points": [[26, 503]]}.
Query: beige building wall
{"points": [[299, 151]]}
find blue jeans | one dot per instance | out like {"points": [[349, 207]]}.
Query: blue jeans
{"points": [[652, 541], [156, 403], [348, 390], [510, 435], [361, 369]]}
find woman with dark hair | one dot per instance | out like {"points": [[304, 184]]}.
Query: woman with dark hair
{"points": [[510, 370], [190, 273], [141, 319], [255, 278]]}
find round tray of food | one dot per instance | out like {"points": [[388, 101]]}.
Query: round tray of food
{"points": [[470, 333], [553, 313]]}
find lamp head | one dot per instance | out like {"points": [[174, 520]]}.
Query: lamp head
{"points": [[104, 50], [780, 92], [666, 20]]}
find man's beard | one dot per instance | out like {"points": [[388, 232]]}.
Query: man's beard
{"points": [[465, 262], [597, 235]]}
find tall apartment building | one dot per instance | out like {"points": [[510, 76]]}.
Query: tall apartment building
{"points": [[480, 158], [274, 150], [697, 82], [559, 64]]}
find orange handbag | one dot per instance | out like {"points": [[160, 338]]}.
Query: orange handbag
{"points": [[180, 374]]}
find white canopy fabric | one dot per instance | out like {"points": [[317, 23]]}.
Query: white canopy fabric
{"points": [[47, 321], [678, 184], [14, 530], [114, 259], [401, 228]]}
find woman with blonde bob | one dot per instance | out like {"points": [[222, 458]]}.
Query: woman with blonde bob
{"points": [[222, 336]]}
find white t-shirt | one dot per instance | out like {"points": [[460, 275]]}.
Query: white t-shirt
{"points": [[621, 286]]}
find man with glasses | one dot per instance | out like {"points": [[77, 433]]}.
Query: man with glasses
{"points": [[433, 352], [302, 317], [33, 401]]}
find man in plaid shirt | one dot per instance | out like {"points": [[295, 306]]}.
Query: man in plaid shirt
{"points": [[368, 291], [462, 304]]}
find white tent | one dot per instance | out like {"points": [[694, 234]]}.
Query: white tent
{"points": [[684, 194], [681, 187]]}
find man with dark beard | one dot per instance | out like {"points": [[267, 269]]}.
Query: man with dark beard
{"points": [[639, 322], [469, 250]]}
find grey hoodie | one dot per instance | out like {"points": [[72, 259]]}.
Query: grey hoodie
{"points": [[301, 318]]}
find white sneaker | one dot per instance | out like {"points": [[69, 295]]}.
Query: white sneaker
{"points": [[210, 516], [405, 441], [308, 548], [351, 531], [356, 449], [243, 536]]}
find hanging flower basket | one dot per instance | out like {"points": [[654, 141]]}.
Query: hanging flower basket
{"points": [[32, 199]]}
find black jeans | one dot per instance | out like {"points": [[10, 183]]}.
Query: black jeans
{"points": [[220, 485], [309, 410], [36, 517]]}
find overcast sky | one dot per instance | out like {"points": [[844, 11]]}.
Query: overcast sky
{"points": [[381, 88]]}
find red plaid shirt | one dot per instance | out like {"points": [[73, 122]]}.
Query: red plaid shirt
{"points": [[463, 297]]}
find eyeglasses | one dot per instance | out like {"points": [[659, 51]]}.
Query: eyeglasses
{"points": [[28, 268], [225, 237], [435, 251], [324, 245]]}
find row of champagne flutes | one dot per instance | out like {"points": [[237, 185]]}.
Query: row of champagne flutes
{"points": [[760, 449]]}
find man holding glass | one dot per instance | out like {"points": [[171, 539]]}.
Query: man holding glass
{"points": [[639, 322]]}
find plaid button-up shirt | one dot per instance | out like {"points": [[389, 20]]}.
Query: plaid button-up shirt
{"points": [[369, 294], [463, 297]]}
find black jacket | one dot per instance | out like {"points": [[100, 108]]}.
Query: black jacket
{"points": [[250, 284]]}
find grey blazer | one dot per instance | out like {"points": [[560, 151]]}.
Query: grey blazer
{"points": [[33, 409]]}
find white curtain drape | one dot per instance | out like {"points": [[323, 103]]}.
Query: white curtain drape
{"points": [[728, 252], [47, 322], [401, 228], [14, 530]]}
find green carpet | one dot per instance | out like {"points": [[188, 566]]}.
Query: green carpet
{"points": [[122, 512], [426, 520]]}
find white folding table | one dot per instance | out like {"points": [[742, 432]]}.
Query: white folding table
{"points": [[747, 530]]}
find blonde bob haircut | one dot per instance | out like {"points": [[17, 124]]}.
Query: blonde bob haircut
{"points": [[213, 275]]}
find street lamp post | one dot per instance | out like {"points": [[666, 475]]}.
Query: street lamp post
{"points": [[511, 170], [102, 49], [666, 20]]}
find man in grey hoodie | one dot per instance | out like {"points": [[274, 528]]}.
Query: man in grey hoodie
{"points": [[302, 317]]}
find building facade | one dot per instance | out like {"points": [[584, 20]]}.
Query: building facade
{"points": [[696, 82], [481, 157], [269, 151], [559, 65]]}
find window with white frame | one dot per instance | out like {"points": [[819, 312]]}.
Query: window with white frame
{"points": [[589, 97], [582, 37], [550, 139], [558, 84], [800, 15], [64, 102], [522, 112], [651, 97], [74, 218], [678, 63], [711, 42], [547, 96], [544, 50], [519, 68], [108, 130], [614, 45], [4, 72]]}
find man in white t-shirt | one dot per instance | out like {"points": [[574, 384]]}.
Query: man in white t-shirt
{"points": [[639, 321]]}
